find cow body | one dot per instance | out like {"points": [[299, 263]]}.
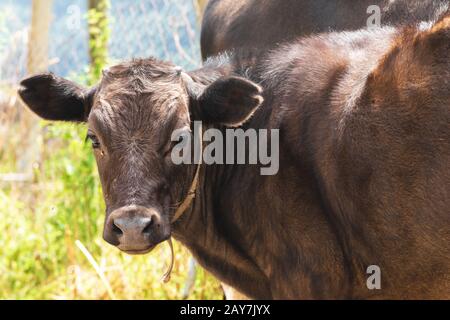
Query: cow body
{"points": [[371, 186], [229, 24]]}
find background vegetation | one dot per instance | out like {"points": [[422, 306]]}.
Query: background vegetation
{"points": [[51, 219]]}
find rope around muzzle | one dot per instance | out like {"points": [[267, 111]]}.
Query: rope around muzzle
{"points": [[187, 202]]}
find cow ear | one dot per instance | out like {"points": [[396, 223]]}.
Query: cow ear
{"points": [[55, 98], [230, 101]]}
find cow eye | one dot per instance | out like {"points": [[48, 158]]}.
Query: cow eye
{"points": [[94, 140]]}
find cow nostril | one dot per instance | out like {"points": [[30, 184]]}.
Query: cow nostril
{"points": [[116, 229], [148, 226]]}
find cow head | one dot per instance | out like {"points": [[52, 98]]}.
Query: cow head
{"points": [[131, 115]]}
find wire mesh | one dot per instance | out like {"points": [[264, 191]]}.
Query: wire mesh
{"points": [[166, 29]]}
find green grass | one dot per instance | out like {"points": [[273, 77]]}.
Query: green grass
{"points": [[41, 221]]}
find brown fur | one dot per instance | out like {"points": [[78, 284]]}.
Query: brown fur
{"points": [[364, 162]]}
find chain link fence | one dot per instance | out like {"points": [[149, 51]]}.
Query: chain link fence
{"points": [[167, 29]]}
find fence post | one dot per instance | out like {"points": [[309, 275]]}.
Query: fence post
{"points": [[37, 61], [41, 14], [200, 6]]}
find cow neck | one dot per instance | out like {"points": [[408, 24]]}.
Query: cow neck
{"points": [[198, 78], [187, 202]]}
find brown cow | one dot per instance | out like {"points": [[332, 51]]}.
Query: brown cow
{"points": [[364, 179], [230, 24]]}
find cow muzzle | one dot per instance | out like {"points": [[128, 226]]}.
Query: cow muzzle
{"points": [[135, 229]]}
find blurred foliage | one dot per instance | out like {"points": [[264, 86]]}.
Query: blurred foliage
{"points": [[99, 33]]}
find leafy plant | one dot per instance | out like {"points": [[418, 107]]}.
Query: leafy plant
{"points": [[99, 33]]}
